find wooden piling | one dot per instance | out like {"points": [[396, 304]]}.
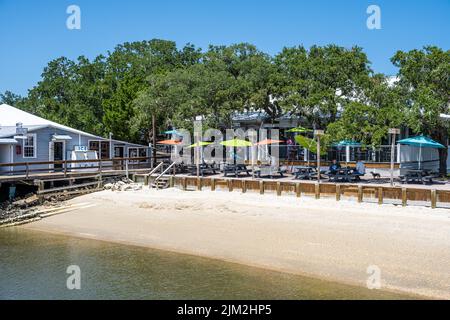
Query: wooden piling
{"points": [[360, 194], [213, 184], [404, 197], [298, 189], [230, 185], [278, 188], [261, 187], [244, 186], [199, 184], [380, 195], [338, 192], [433, 198], [184, 183], [317, 190], [171, 181]]}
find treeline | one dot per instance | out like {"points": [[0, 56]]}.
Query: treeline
{"points": [[330, 87]]}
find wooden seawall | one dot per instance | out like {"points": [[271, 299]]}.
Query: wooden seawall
{"points": [[361, 193]]}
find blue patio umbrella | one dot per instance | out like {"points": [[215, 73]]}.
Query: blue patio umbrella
{"points": [[421, 142]]}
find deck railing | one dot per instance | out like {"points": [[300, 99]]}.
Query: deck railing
{"points": [[76, 166]]}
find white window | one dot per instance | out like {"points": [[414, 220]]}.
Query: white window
{"points": [[134, 152], [29, 146]]}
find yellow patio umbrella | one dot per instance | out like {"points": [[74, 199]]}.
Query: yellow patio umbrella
{"points": [[236, 143]]}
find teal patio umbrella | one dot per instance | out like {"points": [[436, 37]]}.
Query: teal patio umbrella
{"points": [[347, 143], [344, 143], [173, 131], [421, 142]]}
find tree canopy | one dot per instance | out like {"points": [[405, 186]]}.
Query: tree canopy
{"points": [[328, 87]]}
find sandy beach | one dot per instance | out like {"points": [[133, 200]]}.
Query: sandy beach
{"points": [[323, 238]]}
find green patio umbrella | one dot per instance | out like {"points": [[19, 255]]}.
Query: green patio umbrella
{"points": [[199, 144], [421, 142], [236, 143], [299, 129]]}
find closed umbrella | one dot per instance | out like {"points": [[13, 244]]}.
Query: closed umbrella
{"points": [[421, 142]]}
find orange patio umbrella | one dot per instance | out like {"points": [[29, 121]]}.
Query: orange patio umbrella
{"points": [[169, 142], [268, 141]]}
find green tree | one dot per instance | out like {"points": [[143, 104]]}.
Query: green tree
{"points": [[11, 98], [424, 76], [314, 83], [368, 118]]}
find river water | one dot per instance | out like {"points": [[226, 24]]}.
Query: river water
{"points": [[33, 265]]}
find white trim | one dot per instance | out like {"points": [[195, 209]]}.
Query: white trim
{"points": [[34, 135]]}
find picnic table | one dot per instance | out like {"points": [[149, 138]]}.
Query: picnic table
{"points": [[235, 169], [270, 171], [305, 172], [345, 175], [204, 168], [417, 176]]}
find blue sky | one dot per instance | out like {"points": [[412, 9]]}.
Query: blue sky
{"points": [[34, 32]]}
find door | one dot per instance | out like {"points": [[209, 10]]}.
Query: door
{"points": [[118, 153], [58, 153]]}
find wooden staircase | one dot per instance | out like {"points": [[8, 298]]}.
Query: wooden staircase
{"points": [[161, 183]]}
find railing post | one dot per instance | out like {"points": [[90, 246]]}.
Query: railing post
{"points": [[27, 169], [317, 190], [65, 168], [126, 167], [244, 186], [171, 181], [100, 167], [184, 183], [199, 184], [278, 188], [230, 185], [213, 184], [261, 187], [360, 194]]}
